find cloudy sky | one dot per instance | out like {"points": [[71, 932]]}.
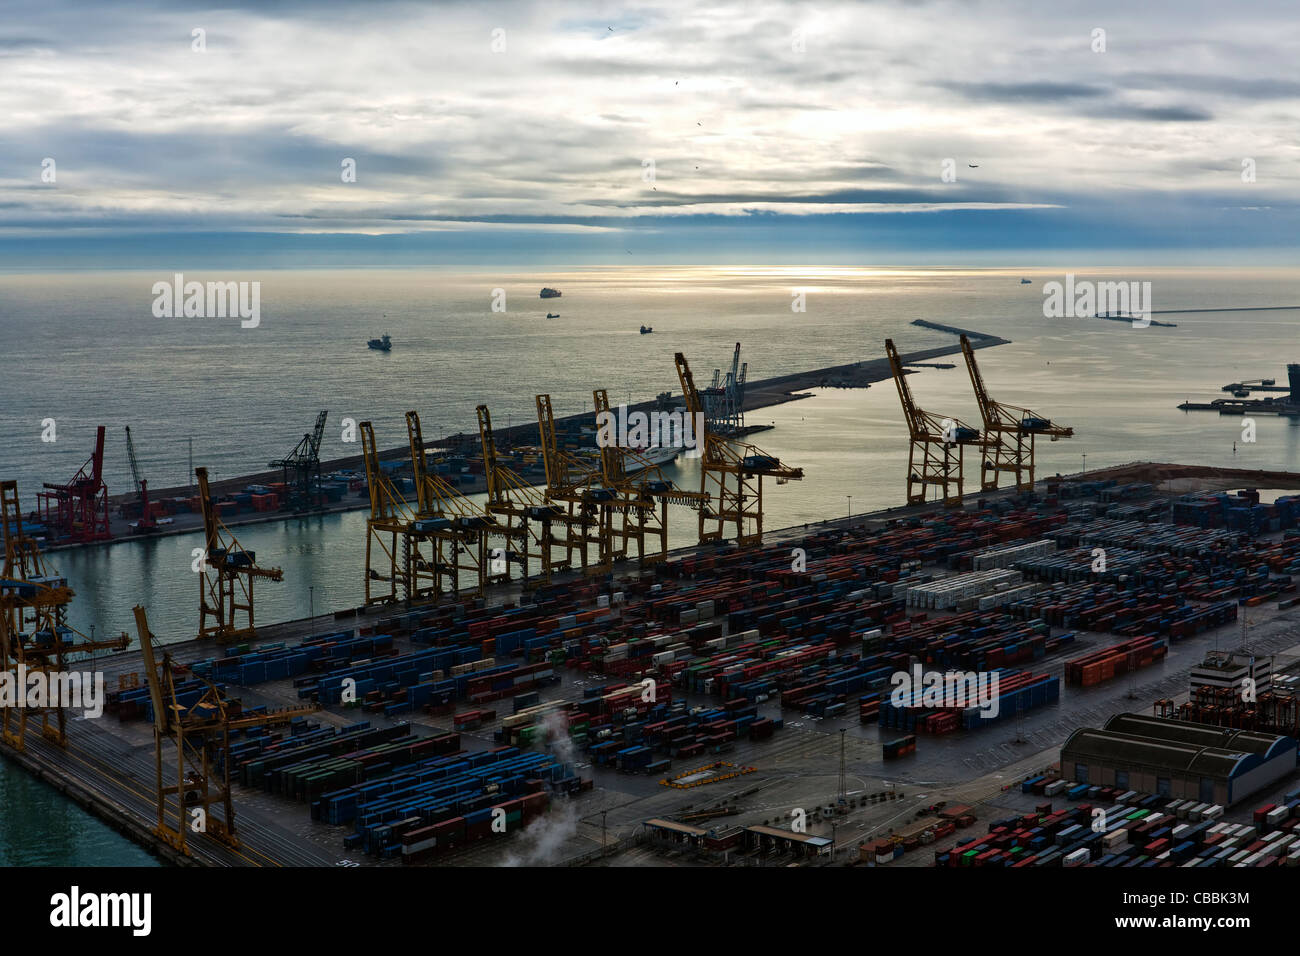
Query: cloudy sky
{"points": [[672, 132]]}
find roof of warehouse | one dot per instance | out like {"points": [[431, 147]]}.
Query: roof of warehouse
{"points": [[674, 826], [1201, 735], [790, 835], [1112, 747]]}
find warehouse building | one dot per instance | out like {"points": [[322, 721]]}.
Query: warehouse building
{"points": [[1178, 759]]}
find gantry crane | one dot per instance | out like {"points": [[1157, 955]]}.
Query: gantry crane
{"points": [[79, 509], [935, 444], [642, 497], [728, 473], [146, 524], [575, 486], [301, 469], [724, 399], [389, 529], [1012, 431], [528, 515], [35, 640], [457, 529], [200, 734], [226, 576]]}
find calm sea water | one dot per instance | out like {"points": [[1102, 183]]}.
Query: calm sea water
{"points": [[85, 349]]}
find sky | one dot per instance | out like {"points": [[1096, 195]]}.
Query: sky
{"points": [[686, 132]]}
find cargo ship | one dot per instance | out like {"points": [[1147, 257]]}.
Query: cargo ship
{"points": [[384, 344], [549, 293]]}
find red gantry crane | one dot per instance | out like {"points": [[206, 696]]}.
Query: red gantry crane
{"points": [[78, 510]]}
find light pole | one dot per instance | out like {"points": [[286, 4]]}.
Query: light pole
{"points": [[311, 604], [850, 497], [1085, 463]]}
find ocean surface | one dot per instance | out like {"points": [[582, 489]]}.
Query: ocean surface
{"points": [[85, 349]]}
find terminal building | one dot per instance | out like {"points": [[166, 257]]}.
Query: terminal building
{"points": [[1226, 670], [1178, 759]]}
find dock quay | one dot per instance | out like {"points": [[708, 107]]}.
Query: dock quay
{"points": [[758, 394], [760, 659]]}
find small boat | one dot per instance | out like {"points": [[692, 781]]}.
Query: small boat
{"points": [[646, 329], [549, 293], [1024, 282], [384, 344], [552, 315]]}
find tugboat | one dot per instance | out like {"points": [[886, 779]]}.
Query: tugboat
{"points": [[646, 329], [552, 315], [549, 293], [384, 344]]}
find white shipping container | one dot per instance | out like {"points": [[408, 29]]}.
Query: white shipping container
{"points": [[1077, 858], [1212, 813]]}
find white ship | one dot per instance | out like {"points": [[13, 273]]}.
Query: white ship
{"points": [[641, 457], [654, 455]]}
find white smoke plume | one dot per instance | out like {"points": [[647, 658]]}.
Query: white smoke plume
{"points": [[543, 839]]}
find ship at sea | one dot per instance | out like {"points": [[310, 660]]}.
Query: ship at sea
{"points": [[384, 344], [549, 293]]}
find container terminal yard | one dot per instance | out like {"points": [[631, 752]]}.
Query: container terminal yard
{"points": [[539, 680]]}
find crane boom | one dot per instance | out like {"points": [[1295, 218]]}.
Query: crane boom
{"points": [[934, 444], [1012, 431]]}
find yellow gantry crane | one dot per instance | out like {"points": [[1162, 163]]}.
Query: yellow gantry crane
{"points": [[528, 515], [200, 734], [35, 640], [935, 446], [457, 530], [731, 474], [642, 497], [1012, 430], [575, 486], [226, 576], [389, 537]]}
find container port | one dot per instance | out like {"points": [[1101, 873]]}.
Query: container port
{"points": [[604, 708], [664, 439]]}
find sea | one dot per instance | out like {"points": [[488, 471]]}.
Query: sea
{"points": [[86, 349]]}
